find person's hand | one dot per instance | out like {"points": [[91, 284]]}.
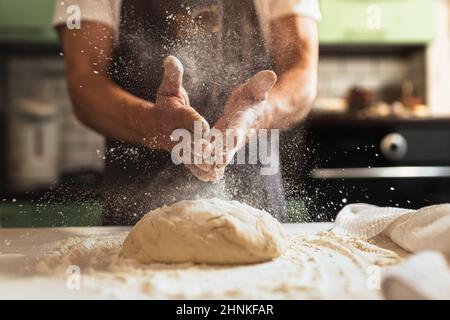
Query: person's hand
{"points": [[172, 111], [242, 116]]}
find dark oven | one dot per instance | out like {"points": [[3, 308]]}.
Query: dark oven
{"points": [[396, 163]]}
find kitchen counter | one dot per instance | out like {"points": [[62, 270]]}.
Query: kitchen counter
{"points": [[18, 245], [19, 249]]}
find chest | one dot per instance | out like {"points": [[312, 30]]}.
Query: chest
{"points": [[219, 43]]}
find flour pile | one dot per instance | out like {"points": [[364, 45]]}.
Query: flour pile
{"points": [[209, 246], [318, 266]]}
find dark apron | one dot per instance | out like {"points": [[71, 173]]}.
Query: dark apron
{"points": [[220, 46]]}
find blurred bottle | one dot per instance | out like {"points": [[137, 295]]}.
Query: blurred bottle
{"points": [[32, 158]]}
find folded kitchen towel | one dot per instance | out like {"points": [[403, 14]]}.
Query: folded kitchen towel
{"points": [[413, 230], [425, 275], [365, 220]]}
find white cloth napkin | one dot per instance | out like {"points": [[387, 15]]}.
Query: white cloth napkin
{"points": [[413, 230], [422, 276], [425, 275]]}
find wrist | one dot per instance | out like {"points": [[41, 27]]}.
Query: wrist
{"points": [[142, 123], [264, 113], [152, 129]]}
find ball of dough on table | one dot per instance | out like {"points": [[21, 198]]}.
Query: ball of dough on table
{"points": [[209, 231]]}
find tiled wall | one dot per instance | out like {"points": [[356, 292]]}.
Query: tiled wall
{"points": [[338, 73], [43, 78]]}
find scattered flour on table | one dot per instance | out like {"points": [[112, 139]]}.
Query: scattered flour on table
{"points": [[320, 266]]}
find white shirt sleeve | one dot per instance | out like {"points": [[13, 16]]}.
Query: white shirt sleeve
{"points": [[108, 11], [269, 10], [272, 9], [103, 11]]}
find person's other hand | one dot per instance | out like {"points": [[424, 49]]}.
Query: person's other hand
{"points": [[242, 113]]}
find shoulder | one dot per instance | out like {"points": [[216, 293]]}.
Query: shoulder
{"points": [[272, 9], [103, 11]]}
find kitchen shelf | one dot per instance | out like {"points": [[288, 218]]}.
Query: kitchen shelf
{"points": [[346, 120], [364, 50]]}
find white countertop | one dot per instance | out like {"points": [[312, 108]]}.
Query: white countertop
{"points": [[18, 247]]}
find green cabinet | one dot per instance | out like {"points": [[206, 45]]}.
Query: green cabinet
{"points": [[377, 21], [27, 21], [344, 21], [24, 214]]}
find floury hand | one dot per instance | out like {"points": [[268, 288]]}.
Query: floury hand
{"points": [[241, 119]]}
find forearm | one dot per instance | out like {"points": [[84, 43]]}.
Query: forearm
{"points": [[290, 101], [295, 51], [103, 106], [97, 101]]}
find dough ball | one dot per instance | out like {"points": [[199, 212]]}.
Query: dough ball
{"points": [[209, 231]]}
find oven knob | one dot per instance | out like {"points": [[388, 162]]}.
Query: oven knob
{"points": [[394, 146]]}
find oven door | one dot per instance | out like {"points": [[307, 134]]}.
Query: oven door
{"points": [[393, 163]]}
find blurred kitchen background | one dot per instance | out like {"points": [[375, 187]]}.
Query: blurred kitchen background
{"points": [[379, 131]]}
